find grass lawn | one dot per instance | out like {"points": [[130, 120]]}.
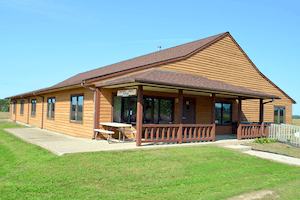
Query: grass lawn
{"points": [[4, 115], [296, 122], [30, 172]]}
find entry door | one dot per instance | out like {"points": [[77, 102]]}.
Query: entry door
{"points": [[189, 111]]}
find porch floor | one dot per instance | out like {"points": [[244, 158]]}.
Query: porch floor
{"points": [[60, 144]]}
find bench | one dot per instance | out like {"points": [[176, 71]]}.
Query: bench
{"points": [[121, 130], [104, 131]]}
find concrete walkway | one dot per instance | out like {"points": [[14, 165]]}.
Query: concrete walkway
{"points": [[60, 144], [266, 155]]}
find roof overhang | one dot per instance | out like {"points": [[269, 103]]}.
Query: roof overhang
{"points": [[159, 87]]}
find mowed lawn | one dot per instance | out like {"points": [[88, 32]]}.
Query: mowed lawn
{"points": [[4, 115], [30, 172]]}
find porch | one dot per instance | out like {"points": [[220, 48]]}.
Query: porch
{"points": [[216, 106]]}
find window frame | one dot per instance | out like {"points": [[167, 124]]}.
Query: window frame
{"points": [[221, 124], [76, 109], [278, 117], [33, 115], [51, 109], [22, 107]]}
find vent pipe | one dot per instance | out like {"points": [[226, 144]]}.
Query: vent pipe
{"points": [[158, 48]]}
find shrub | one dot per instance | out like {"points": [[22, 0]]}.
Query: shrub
{"points": [[264, 140]]}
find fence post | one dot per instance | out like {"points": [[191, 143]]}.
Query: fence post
{"points": [[239, 132], [213, 132], [179, 133]]}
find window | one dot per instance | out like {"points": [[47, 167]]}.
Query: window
{"points": [[22, 108], [33, 107], [76, 108], [158, 111], [279, 115], [14, 110], [50, 107], [125, 109], [155, 110], [223, 113]]}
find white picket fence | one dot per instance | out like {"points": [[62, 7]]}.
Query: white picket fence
{"points": [[285, 133]]}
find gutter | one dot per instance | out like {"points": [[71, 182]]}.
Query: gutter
{"points": [[28, 109], [95, 104], [42, 123]]}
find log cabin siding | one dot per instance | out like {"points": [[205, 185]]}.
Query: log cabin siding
{"points": [[61, 122]]}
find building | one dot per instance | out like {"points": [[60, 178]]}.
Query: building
{"points": [[185, 93]]}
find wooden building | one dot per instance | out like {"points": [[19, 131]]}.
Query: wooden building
{"points": [[186, 93]]}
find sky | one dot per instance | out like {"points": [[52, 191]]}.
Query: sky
{"points": [[44, 42]]}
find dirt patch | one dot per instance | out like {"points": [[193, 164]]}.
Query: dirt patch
{"points": [[261, 194], [296, 122], [277, 147], [4, 115]]}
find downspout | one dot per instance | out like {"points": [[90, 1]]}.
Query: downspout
{"points": [[42, 125], [28, 108], [95, 104]]}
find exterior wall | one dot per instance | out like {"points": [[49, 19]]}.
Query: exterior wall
{"points": [[222, 61], [61, 122]]}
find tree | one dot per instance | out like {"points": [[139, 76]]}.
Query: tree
{"points": [[4, 105]]}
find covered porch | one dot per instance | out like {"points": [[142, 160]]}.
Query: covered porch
{"points": [[166, 106]]}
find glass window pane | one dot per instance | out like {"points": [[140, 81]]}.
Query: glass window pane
{"points": [[125, 110], [275, 115], [117, 109], [148, 111], [282, 115], [80, 108], [166, 111], [133, 108], [73, 108], [155, 110], [226, 113], [48, 109], [218, 113]]}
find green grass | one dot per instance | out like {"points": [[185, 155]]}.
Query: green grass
{"points": [[30, 172], [4, 115]]}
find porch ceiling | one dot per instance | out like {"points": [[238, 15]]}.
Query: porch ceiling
{"points": [[171, 82]]}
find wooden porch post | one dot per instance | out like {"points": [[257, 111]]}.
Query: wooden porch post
{"points": [[213, 109], [180, 114], [261, 117], [97, 110], [213, 116], [139, 117], [239, 129]]}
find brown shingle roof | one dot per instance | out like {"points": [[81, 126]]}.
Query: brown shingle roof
{"points": [[168, 78], [156, 57]]}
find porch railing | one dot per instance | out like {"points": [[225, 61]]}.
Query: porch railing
{"points": [[249, 131], [177, 132]]}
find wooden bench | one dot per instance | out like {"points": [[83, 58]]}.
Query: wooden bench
{"points": [[121, 130], [103, 131]]}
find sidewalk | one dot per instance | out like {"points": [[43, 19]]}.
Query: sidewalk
{"points": [[60, 144], [266, 155]]}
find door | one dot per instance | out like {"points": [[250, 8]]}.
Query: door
{"points": [[189, 111]]}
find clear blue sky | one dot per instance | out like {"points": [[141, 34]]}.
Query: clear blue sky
{"points": [[43, 42]]}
